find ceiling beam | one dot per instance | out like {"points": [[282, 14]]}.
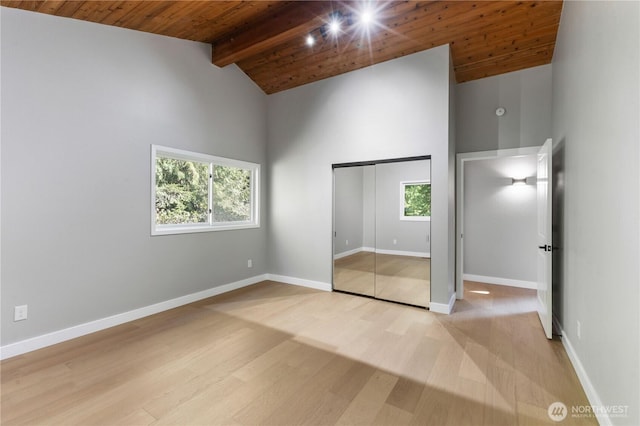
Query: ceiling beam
{"points": [[294, 21]]}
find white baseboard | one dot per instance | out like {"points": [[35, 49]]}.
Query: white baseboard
{"points": [[404, 253], [500, 281], [443, 308], [381, 251], [348, 253], [59, 336], [318, 285], [589, 389]]}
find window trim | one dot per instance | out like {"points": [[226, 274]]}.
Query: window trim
{"points": [[180, 154], [403, 185]]}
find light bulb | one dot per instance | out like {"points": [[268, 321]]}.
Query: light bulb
{"points": [[366, 17], [334, 26], [310, 40]]}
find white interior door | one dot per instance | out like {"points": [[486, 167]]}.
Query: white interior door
{"points": [[544, 237]]}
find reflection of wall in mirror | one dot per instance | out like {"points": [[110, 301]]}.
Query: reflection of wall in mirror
{"points": [[348, 227], [395, 236], [369, 208]]}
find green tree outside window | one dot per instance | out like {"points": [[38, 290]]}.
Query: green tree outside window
{"points": [[182, 192], [417, 200]]}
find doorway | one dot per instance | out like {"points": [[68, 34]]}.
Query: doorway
{"points": [[467, 160]]}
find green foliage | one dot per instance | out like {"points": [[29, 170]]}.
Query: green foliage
{"points": [[231, 194], [417, 200], [182, 191]]}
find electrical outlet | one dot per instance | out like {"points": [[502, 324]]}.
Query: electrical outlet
{"points": [[395, 241], [20, 313], [579, 329], [346, 243], [250, 263]]}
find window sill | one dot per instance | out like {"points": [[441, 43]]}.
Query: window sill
{"points": [[416, 218], [190, 229]]}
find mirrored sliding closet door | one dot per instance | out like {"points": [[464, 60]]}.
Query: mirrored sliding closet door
{"points": [[354, 221], [382, 230]]}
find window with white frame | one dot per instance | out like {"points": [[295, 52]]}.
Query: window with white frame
{"points": [[415, 200], [194, 192]]}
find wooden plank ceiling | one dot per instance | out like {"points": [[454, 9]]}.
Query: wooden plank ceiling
{"points": [[266, 39]]}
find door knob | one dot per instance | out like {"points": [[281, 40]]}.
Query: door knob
{"points": [[545, 248]]}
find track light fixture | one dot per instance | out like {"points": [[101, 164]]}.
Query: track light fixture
{"points": [[338, 23], [310, 40]]}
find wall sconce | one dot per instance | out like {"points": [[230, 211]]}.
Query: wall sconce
{"points": [[531, 180]]}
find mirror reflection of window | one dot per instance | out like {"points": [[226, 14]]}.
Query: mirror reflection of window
{"points": [[415, 201]]}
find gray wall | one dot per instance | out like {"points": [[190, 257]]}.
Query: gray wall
{"points": [[390, 110], [349, 209], [596, 88], [369, 207], [81, 105], [500, 223], [525, 94], [410, 236]]}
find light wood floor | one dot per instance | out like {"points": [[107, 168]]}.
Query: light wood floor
{"points": [[356, 273], [404, 279], [274, 354]]}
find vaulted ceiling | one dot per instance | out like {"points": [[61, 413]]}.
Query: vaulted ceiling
{"points": [[267, 39]]}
